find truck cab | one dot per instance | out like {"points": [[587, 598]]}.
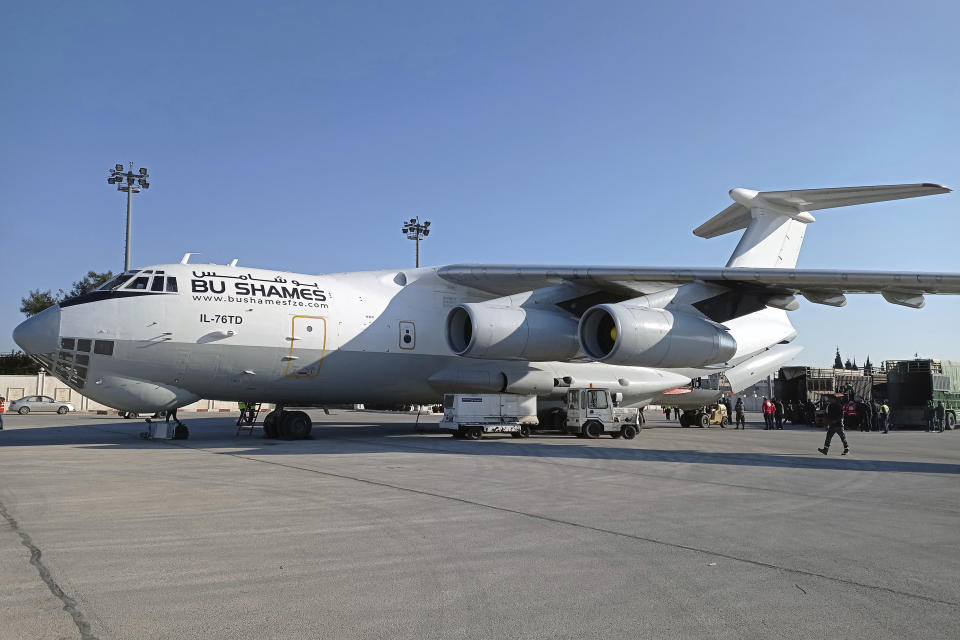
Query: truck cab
{"points": [[594, 412]]}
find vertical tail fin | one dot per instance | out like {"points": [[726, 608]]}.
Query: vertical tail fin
{"points": [[775, 221]]}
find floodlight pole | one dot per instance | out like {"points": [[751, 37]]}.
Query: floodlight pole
{"points": [[416, 230], [134, 183], [126, 245]]}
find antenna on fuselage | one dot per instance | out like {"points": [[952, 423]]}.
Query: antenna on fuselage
{"points": [[186, 258]]}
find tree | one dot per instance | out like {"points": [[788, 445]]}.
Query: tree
{"points": [[37, 300], [18, 364], [89, 283]]}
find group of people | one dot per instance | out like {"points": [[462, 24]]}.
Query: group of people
{"points": [[738, 413], [677, 411], [773, 412], [866, 416]]}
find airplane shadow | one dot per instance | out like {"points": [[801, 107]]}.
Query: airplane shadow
{"points": [[362, 438]]}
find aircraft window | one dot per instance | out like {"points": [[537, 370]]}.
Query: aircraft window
{"points": [[158, 273], [140, 282], [157, 284], [83, 344], [116, 282], [65, 355], [66, 343], [103, 347], [171, 285], [82, 359], [597, 400]]}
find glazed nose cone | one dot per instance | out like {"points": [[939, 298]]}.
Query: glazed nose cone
{"points": [[40, 333]]}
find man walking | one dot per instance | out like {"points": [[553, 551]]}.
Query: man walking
{"points": [[741, 419], [835, 426], [778, 412]]}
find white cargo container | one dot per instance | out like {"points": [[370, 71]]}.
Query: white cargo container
{"points": [[472, 415]]}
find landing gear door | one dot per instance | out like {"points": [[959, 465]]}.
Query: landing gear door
{"points": [[308, 346]]}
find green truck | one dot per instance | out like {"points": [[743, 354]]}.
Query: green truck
{"points": [[912, 383]]}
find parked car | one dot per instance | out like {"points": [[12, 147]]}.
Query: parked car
{"points": [[27, 404]]}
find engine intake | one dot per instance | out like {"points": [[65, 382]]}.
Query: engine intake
{"points": [[621, 333], [499, 332]]}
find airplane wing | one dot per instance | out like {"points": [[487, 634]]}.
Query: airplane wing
{"points": [[822, 286]]}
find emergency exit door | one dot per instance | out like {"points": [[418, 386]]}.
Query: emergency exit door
{"points": [[308, 346]]}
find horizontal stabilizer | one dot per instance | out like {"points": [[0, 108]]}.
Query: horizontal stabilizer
{"points": [[796, 203]]}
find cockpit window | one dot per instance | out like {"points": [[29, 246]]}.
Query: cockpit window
{"points": [[116, 282], [140, 282], [157, 284], [171, 285]]}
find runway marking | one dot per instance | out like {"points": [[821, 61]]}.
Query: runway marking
{"points": [[611, 532], [69, 604]]}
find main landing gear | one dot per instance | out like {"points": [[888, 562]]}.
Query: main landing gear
{"points": [[287, 425]]}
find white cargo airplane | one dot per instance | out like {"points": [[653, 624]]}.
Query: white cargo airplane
{"points": [[168, 335]]}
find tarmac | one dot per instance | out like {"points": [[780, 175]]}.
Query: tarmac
{"points": [[376, 530]]}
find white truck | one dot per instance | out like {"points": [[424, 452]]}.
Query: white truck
{"points": [[592, 413], [472, 415], [589, 413]]}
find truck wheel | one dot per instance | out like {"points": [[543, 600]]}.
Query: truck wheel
{"points": [[629, 432], [950, 420], [684, 420], [615, 434], [475, 433], [524, 431], [704, 421], [724, 421], [592, 430]]}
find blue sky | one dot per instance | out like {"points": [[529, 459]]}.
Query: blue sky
{"points": [[298, 135]]}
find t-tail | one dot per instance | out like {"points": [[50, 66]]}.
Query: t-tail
{"points": [[775, 221]]}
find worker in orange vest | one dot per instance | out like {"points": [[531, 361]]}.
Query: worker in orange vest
{"points": [[2, 409]]}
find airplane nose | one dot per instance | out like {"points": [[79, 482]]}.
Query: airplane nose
{"points": [[39, 333]]}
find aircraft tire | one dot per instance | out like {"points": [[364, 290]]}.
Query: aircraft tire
{"points": [[592, 429], [270, 425], [295, 425], [629, 432]]}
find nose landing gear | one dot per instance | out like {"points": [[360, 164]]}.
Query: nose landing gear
{"points": [[287, 425]]}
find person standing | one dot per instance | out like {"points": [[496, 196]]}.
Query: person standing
{"points": [[666, 413], [928, 415], [883, 417], [835, 417], [741, 419], [2, 409], [850, 414], [768, 410], [864, 415], [778, 412], [940, 413]]}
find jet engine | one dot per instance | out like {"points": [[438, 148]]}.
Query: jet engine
{"points": [[501, 332], [629, 334]]}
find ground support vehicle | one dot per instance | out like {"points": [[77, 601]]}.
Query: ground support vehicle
{"points": [[473, 415], [705, 416], [592, 413], [911, 384]]}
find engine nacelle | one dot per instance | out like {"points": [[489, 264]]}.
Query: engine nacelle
{"points": [[500, 332], [641, 336]]}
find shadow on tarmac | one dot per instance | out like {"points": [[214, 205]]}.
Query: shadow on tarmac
{"points": [[370, 438]]}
